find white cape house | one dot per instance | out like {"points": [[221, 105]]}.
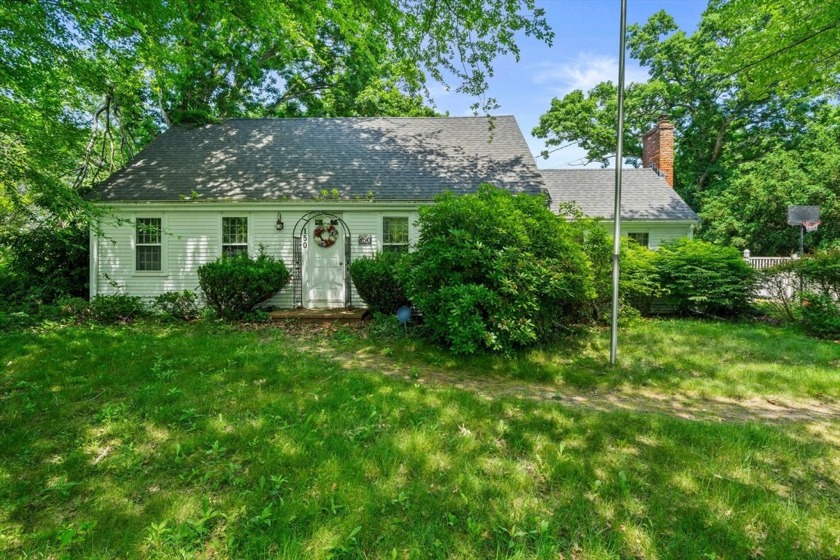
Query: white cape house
{"points": [[316, 193]]}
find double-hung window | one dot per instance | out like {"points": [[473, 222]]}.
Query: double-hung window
{"points": [[234, 236], [395, 235], [148, 245], [642, 238]]}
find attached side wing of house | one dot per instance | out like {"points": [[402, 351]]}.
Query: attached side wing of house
{"points": [[652, 212]]}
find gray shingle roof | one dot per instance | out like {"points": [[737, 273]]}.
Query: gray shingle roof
{"points": [[644, 194], [295, 159]]}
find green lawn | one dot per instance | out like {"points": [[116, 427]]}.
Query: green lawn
{"points": [[703, 358], [206, 442]]}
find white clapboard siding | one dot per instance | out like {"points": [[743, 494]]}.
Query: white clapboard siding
{"points": [[658, 233], [192, 238], [413, 228], [262, 229]]}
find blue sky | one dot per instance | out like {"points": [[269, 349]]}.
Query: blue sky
{"points": [[585, 52]]}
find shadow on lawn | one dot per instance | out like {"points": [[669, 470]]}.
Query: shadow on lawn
{"points": [[717, 358], [203, 442]]}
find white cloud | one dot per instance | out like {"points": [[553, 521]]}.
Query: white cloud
{"points": [[583, 72], [437, 90]]}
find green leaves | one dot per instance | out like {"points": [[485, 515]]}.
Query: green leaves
{"points": [[787, 46], [703, 278], [751, 212], [235, 285], [741, 129], [495, 271], [84, 85], [588, 120], [378, 283]]}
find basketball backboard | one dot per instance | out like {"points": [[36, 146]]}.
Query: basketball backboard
{"points": [[799, 214]]}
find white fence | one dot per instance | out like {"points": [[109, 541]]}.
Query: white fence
{"points": [[761, 263]]}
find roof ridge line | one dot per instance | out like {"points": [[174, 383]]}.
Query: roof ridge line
{"points": [[364, 118]]}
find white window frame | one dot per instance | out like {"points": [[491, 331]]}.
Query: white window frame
{"points": [[382, 243], [248, 228], [164, 260]]}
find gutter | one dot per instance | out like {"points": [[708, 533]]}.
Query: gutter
{"points": [[197, 206]]}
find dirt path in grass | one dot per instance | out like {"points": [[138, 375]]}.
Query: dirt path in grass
{"points": [[722, 409]]}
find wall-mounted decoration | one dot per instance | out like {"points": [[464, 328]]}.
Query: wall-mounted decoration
{"points": [[366, 239], [279, 224], [325, 236]]}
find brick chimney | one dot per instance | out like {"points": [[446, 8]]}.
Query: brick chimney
{"points": [[658, 149]]}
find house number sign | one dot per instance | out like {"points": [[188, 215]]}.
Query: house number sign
{"points": [[365, 239]]}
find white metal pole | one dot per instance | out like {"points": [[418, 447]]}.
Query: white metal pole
{"points": [[619, 156]]}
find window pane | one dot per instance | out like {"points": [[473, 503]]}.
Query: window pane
{"points": [[234, 230], [148, 257], [148, 230], [395, 248], [642, 239], [395, 230], [231, 250]]}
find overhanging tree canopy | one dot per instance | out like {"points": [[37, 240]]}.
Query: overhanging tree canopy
{"points": [[138, 66], [725, 120]]}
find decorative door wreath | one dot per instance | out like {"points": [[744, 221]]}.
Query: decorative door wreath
{"points": [[325, 235]]}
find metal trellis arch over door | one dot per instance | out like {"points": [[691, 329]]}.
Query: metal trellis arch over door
{"points": [[321, 272]]}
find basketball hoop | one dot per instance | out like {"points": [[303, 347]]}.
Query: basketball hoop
{"points": [[811, 225]]}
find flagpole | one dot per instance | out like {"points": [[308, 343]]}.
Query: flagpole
{"points": [[619, 149]]}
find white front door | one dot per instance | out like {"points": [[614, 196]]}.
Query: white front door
{"points": [[323, 278]]}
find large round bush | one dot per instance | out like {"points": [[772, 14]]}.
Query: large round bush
{"points": [[235, 285], [43, 263], [378, 283], [705, 279], [493, 270]]}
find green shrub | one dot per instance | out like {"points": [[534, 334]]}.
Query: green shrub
{"points": [[598, 247], [639, 281], [496, 271], [378, 283], [115, 308], [388, 326], [44, 263], [74, 308], [16, 320], [820, 315], [178, 305], [256, 316], [781, 287], [234, 286], [819, 275], [705, 279], [820, 272]]}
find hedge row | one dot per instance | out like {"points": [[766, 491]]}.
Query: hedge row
{"points": [[497, 271]]}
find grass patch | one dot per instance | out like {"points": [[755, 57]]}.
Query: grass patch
{"points": [[706, 358], [201, 442]]}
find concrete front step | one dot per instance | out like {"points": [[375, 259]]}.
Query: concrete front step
{"points": [[318, 315]]}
